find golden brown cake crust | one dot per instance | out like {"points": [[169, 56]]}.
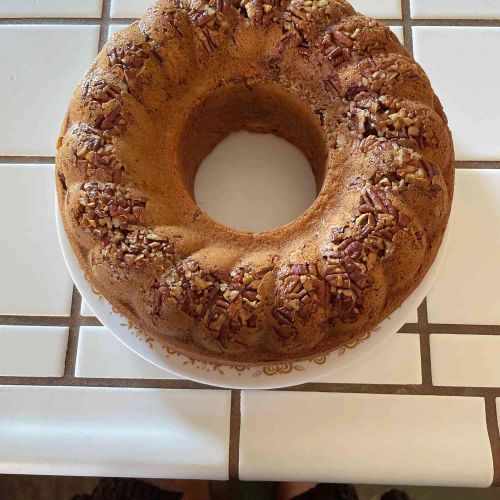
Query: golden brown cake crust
{"points": [[159, 97]]}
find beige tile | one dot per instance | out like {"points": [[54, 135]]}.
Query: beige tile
{"points": [[465, 290], [374, 439], [465, 360], [397, 361]]}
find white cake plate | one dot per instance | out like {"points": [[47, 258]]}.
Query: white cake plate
{"points": [[265, 376]]}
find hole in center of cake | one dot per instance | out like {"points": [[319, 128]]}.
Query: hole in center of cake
{"points": [[254, 182], [252, 155]]}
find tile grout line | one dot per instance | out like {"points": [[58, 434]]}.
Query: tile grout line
{"points": [[492, 424], [234, 435], [76, 303], [425, 355], [73, 334], [48, 21], [13, 160], [425, 348], [407, 32], [105, 22], [477, 164], [324, 387]]}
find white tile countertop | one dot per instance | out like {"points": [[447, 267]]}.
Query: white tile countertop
{"points": [[73, 400]]}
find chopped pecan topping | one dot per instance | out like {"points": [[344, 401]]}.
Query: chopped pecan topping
{"points": [[225, 302], [300, 291], [255, 10], [105, 206], [302, 16], [95, 153], [135, 245], [210, 21], [130, 61], [305, 11], [102, 91], [354, 40], [338, 282], [399, 167], [355, 248], [384, 116], [113, 120]]}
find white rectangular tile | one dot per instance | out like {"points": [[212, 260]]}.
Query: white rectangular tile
{"points": [[129, 8], [114, 432], [34, 278], [40, 70], [465, 360], [459, 62], [456, 9], [383, 9], [32, 351], [466, 290], [85, 310], [397, 361], [102, 355], [50, 8], [368, 438]]}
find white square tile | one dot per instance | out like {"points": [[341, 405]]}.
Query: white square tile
{"points": [[368, 438], [34, 278], [129, 8], [456, 9], [398, 31], [396, 362], [50, 8], [85, 310], [113, 28], [81, 431], [40, 70], [102, 355], [32, 351], [466, 288], [465, 360], [383, 9], [460, 62]]}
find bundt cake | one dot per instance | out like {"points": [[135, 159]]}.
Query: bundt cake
{"points": [[160, 96]]}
